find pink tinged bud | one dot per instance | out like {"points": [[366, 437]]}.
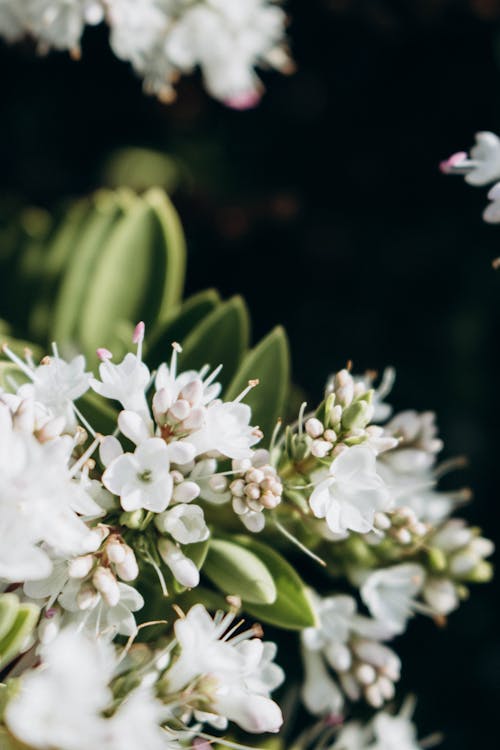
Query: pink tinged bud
{"points": [[243, 101], [386, 688], [138, 336], [374, 696], [80, 567], [104, 354], [106, 584], [183, 568], [446, 166], [239, 506], [128, 570], [241, 465], [321, 448]]}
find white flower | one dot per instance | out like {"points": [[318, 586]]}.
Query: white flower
{"points": [[65, 697], [389, 594], [393, 733], [352, 493], [142, 479], [185, 523], [240, 674], [38, 500], [60, 23], [125, 383], [227, 430], [320, 693], [491, 213], [62, 703], [483, 166], [136, 724], [12, 20], [57, 384]]}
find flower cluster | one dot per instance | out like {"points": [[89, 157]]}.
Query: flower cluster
{"points": [[164, 39], [85, 694], [94, 523]]}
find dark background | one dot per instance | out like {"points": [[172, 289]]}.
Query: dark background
{"points": [[325, 209]]}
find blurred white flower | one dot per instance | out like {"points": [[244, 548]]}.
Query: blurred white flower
{"points": [[391, 594]]}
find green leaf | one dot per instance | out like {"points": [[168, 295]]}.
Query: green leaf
{"points": [[9, 606], [269, 362], [56, 253], [138, 275], [292, 609], [14, 641], [179, 325], [238, 571], [107, 209], [7, 741], [175, 250], [221, 338]]}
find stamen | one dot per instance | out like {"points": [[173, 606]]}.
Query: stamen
{"points": [[138, 338], [212, 376], [83, 458], [176, 349], [299, 544], [18, 361], [300, 421], [251, 384]]}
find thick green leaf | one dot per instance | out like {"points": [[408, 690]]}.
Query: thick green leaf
{"points": [[175, 246], [15, 640], [56, 253], [9, 606], [179, 325], [269, 362], [221, 338], [238, 571], [292, 609], [138, 275], [107, 209]]}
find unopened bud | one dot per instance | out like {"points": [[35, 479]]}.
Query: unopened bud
{"points": [[105, 583], [314, 428], [80, 567], [128, 570]]}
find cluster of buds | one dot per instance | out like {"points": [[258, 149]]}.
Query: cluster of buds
{"points": [[341, 421], [369, 672], [401, 525], [256, 488], [99, 572], [459, 551]]}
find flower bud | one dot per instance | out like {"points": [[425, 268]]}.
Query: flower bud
{"points": [[314, 428], [127, 569], [105, 583], [80, 567], [183, 569]]}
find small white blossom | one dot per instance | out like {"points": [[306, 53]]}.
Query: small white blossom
{"points": [[142, 479], [390, 594], [227, 430], [483, 166], [353, 492], [239, 676]]}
